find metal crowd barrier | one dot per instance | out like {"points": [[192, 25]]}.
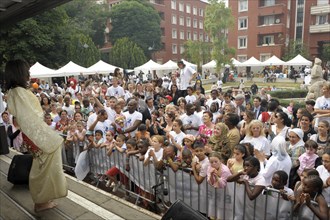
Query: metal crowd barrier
{"points": [[168, 186]]}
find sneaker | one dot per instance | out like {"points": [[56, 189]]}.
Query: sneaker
{"points": [[108, 183], [115, 188]]}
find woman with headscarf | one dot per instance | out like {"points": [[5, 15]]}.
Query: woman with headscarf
{"points": [[280, 159], [219, 142], [295, 149]]}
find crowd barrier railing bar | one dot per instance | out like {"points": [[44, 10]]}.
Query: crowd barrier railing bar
{"points": [[168, 186]]}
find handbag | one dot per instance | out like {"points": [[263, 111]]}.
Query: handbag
{"points": [[19, 169], [4, 148]]}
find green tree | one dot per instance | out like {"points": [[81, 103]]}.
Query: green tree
{"points": [[325, 55], [293, 49], [197, 51], [218, 19], [138, 21], [127, 54], [82, 50]]}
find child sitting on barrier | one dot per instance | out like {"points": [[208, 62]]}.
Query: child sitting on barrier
{"points": [[235, 164], [155, 153], [217, 172], [199, 167], [312, 187], [120, 146], [250, 175]]}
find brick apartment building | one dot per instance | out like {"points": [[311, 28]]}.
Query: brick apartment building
{"points": [[265, 27], [181, 20]]}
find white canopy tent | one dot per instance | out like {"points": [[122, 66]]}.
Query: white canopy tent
{"points": [[251, 62], [101, 67], [299, 61], [71, 69], [150, 65], [235, 62], [273, 61], [194, 66], [210, 65], [170, 65], [40, 71]]}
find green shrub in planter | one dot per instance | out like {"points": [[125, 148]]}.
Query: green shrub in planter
{"points": [[297, 104], [286, 94]]}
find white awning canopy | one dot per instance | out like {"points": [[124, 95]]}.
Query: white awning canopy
{"points": [[251, 62], [210, 65], [299, 61], [194, 66], [150, 65], [170, 65], [71, 69], [273, 61], [40, 71], [101, 67], [235, 62]]}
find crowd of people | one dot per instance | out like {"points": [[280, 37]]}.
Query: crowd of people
{"points": [[222, 137]]}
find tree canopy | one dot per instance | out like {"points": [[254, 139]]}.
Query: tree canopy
{"points": [[293, 49], [197, 51], [218, 19], [51, 37], [138, 21], [127, 54]]}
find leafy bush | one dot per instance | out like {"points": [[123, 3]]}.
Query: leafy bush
{"points": [[297, 103], [286, 94]]}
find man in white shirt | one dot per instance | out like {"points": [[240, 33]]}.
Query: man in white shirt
{"points": [[101, 123], [214, 98], [115, 90], [69, 108], [187, 74], [133, 119], [190, 120]]}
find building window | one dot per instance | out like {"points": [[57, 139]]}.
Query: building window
{"points": [[195, 36], [201, 25], [299, 33], [321, 19], [269, 20], [242, 58], [206, 38], [269, 2], [174, 34], [268, 39], [188, 9], [300, 15], [201, 12], [194, 11], [264, 57], [182, 35], [195, 23], [181, 49], [173, 19], [242, 5], [174, 49], [188, 35], [322, 2], [188, 22], [201, 37], [242, 23], [173, 4], [242, 42], [181, 20], [181, 6]]}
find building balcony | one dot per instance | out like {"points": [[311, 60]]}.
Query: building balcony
{"points": [[271, 29], [271, 10], [319, 28], [320, 9]]}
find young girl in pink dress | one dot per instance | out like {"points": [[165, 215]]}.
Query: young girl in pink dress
{"points": [[217, 172]]}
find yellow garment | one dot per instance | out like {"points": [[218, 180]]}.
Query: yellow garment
{"points": [[47, 180]]}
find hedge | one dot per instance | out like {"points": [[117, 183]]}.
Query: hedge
{"points": [[286, 94], [297, 104]]}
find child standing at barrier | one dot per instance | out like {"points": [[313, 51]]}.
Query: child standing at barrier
{"points": [[155, 153], [312, 190], [108, 140], [142, 132], [200, 166], [97, 141], [279, 181], [250, 175], [142, 146], [120, 146], [236, 164], [81, 132], [307, 159], [176, 136], [217, 172]]}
